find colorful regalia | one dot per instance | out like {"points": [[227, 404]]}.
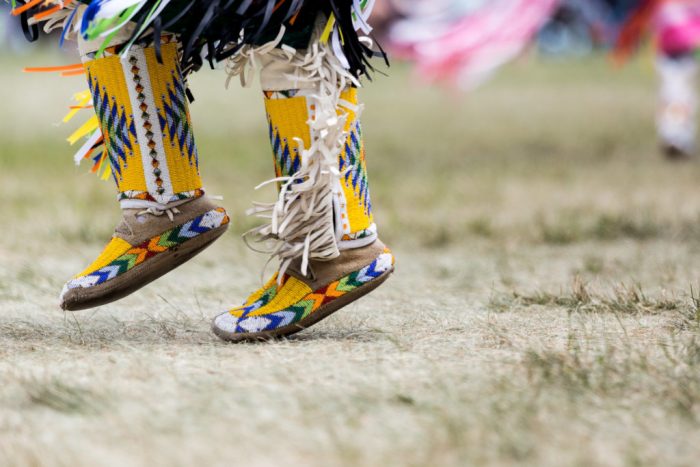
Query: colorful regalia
{"points": [[463, 42], [310, 56]]}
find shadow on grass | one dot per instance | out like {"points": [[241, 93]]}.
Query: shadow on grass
{"points": [[106, 333]]}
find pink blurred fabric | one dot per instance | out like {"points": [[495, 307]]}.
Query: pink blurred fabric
{"points": [[467, 50], [678, 26]]}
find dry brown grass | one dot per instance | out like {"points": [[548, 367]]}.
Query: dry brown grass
{"points": [[544, 311]]}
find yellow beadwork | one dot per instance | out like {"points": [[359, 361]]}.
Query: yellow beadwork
{"points": [[142, 110], [183, 172], [358, 217], [108, 78], [265, 288], [288, 119], [114, 249], [291, 292]]}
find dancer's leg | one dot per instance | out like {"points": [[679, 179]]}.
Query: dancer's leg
{"points": [[323, 229], [678, 106], [148, 136]]}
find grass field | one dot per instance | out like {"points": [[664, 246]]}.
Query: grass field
{"points": [[545, 310]]}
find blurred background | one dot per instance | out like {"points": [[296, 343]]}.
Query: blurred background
{"points": [[559, 102], [544, 309], [551, 131]]}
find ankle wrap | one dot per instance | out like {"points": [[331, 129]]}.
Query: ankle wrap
{"points": [[289, 114]]}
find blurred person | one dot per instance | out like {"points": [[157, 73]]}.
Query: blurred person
{"points": [[385, 13], [136, 55], [677, 30], [567, 32], [675, 26], [578, 27], [464, 42]]}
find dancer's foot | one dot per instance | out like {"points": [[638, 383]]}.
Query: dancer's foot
{"points": [[145, 247], [280, 310], [675, 153]]}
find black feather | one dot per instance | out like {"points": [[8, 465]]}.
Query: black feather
{"points": [[217, 29]]}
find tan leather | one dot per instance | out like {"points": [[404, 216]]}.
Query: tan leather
{"points": [[322, 273], [136, 229]]}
